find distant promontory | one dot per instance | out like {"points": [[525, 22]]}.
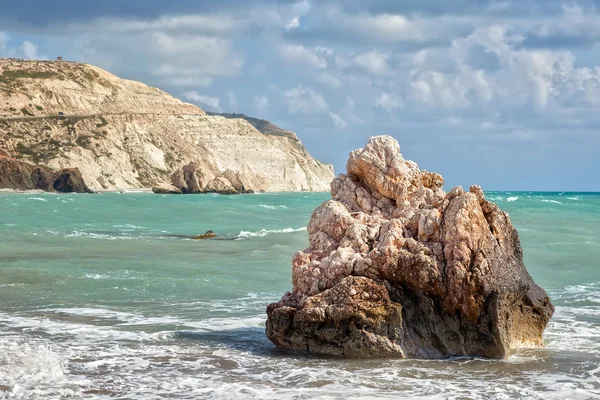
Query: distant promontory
{"points": [[122, 134]]}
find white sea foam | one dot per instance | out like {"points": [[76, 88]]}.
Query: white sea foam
{"points": [[32, 370], [266, 232], [229, 357], [99, 235], [551, 201], [267, 206], [513, 198], [37, 199], [96, 276]]}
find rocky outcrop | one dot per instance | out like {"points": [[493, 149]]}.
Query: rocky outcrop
{"points": [[18, 175], [124, 134], [191, 179], [397, 267]]}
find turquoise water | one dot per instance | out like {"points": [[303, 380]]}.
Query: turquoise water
{"points": [[101, 298]]}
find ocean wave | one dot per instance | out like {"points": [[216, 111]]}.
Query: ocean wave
{"points": [[32, 371], [513, 198], [231, 358], [266, 206], [266, 232], [551, 201], [129, 226], [37, 199], [101, 235]]}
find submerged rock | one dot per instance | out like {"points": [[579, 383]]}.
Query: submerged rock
{"points": [[398, 268]]}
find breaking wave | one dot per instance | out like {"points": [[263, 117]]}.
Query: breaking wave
{"points": [[266, 232]]}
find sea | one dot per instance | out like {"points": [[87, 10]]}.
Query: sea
{"points": [[105, 296]]}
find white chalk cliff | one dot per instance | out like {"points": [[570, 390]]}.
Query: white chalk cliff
{"points": [[124, 134]]}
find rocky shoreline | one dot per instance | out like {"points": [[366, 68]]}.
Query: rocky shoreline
{"points": [[19, 175], [398, 268]]}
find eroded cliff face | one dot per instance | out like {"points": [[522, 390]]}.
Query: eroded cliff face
{"points": [[15, 174], [124, 134], [398, 268]]}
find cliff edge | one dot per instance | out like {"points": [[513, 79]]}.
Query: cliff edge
{"points": [[124, 134]]}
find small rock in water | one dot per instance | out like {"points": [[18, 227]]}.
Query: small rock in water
{"points": [[398, 268]]}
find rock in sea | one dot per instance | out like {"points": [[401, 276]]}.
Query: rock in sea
{"points": [[398, 268]]}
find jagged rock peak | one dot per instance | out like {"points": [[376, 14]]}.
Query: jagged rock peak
{"points": [[397, 267]]}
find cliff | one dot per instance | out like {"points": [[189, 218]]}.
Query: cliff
{"points": [[124, 134], [398, 268]]}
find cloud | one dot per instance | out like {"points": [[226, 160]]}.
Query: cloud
{"points": [[523, 79], [168, 58], [29, 50], [212, 103], [231, 97], [261, 102], [575, 27], [374, 62], [338, 121], [286, 16], [4, 39], [389, 102], [189, 82], [302, 57], [195, 55], [202, 24], [328, 78], [26, 50], [304, 100], [389, 27]]}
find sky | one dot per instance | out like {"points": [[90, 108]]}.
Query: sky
{"points": [[505, 94]]}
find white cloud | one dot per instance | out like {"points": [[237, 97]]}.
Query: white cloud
{"points": [[519, 79], [301, 56], [29, 50], [283, 16], [212, 103], [261, 102], [195, 55], [189, 82], [388, 102], [304, 100], [392, 28], [4, 39], [576, 22], [232, 100], [328, 78], [373, 62], [26, 50], [203, 24], [338, 121]]}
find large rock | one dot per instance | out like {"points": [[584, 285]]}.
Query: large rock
{"points": [[69, 180], [19, 175], [397, 267], [192, 179]]}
